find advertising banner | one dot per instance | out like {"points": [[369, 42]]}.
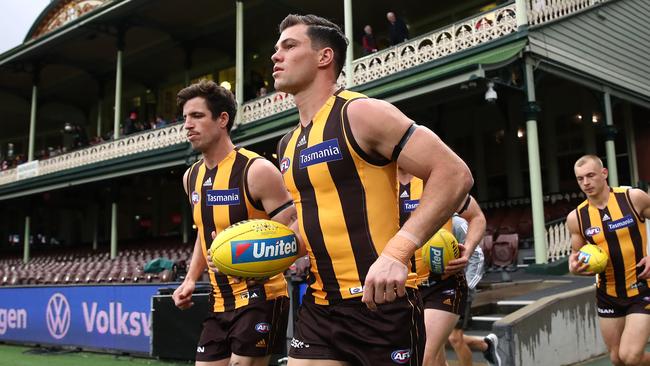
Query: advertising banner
{"points": [[100, 317]]}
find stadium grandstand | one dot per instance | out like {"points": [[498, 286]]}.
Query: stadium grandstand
{"points": [[94, 216]]}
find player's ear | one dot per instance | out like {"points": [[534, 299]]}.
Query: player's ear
{"points": [[605, 172], [325, 57], [223, 120]]}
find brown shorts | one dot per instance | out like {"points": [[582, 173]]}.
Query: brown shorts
{"points": [[448, 295], [255, 330], [348, 331], [614, 307]]}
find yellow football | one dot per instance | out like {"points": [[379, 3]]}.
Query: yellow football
{"points": [[594, 256], [254, 249], [439, 250]]}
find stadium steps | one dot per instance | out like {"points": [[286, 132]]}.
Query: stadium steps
{"points": [[483, 317]]}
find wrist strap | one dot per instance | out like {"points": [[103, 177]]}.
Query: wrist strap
{"points": [[406, 235]]}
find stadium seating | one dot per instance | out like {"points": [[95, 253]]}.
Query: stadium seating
{"points": [[88, 267], [510, 222]]}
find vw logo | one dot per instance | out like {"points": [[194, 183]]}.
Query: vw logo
{"points": [[57, 316]]}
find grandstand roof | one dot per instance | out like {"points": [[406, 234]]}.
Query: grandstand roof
{"points": [[60, 12]]}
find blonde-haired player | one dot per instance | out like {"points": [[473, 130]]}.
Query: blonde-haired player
{"points": [[613, 218]]}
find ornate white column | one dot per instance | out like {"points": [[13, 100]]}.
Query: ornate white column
{"points": [[522, 13], [32, 114], [630, 137], [26, 240], [239, 57], [534, 165], [118, 85], [610, 136], [349, 54]]}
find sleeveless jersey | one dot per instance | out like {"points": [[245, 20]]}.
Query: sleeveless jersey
{"points": [[409, 200], [346, 201], [220, 198], [620, 231]]}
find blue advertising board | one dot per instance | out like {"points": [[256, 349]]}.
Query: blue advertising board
{"points": [[101, 317]]}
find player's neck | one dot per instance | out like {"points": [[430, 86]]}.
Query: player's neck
{"points": [[310, 100], [217, 152], [600, 200]]}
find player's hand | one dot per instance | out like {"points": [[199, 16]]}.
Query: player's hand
{"points": [[385, 281], [213, 268], [302, 265], [183, 295], [456, 265], [645, 263], [577, 267]]}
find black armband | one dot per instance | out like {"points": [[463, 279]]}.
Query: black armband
{"points": [[280, 209], [398, 148], [465, 205]]}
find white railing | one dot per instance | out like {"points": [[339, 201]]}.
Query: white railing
{"points": [[558, 241], [128, 145], [542, 11], [431, 46], [471, 32]]}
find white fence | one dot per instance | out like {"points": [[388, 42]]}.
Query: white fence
{"points": [[128, 145], [558, 241], [543, 11]]}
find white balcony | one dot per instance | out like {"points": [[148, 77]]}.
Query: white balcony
{"points": [[480, 29]]}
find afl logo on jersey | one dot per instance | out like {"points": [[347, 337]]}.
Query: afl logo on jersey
{"points": [[592, 231], [401, 356], [284, 165], [262, 328], [195, 197]]}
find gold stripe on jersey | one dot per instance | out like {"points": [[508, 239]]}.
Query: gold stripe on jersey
{"points": [[340, 197], [229, 175], [413, 191], [620, 232]]}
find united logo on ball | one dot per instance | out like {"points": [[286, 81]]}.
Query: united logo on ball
{"points": [[439, 250], [254, 249]]}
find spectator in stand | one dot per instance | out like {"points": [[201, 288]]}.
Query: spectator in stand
{"points": [[129, 123], [397, 30], [80, 137], [368, 41], [160, 122], [262, 92]]}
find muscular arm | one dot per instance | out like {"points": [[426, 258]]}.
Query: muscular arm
{"points": [[378, 127], [183, 294], [475, 231], [641, 203], [475, 226], [577, 241]]}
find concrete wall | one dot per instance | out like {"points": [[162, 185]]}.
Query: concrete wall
{"points": [[560, 329]]}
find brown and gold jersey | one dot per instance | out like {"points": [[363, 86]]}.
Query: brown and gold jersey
{"points": [[220, 198], [618, 230], [346, 201], [409, 199]]}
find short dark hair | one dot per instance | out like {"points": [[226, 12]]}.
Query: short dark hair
{"points": [[322, 33], [217, 98]]}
